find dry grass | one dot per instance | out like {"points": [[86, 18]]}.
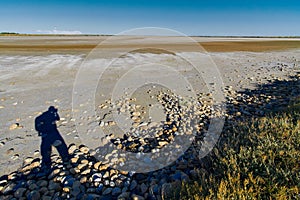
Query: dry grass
{"points": [[257, 160]]}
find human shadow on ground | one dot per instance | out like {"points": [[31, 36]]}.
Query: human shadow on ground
{"points": [[45, 125]]}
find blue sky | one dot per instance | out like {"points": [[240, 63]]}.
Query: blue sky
{"points": [[210, 17]]}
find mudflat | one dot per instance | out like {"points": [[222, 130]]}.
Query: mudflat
{"points": [[41, 71]]}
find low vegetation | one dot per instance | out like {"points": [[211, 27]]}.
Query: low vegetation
{"points": [[258, 159]]}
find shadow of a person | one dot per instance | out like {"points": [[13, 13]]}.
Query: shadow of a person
{"points": [[45, 125]]}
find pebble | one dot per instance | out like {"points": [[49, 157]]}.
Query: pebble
{"points": [[19, 192], [144, 188], [137, 197], [107, 191], [116, 191], [72, 148], [34, 195], [15, 126], [133, 185]]}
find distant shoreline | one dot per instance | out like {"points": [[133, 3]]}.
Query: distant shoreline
{"points": [[201, 36]]}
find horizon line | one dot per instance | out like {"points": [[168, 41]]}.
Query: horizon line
{"points": [[96, 34]]}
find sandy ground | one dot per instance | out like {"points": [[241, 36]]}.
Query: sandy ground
{"points": [[36, 72]]}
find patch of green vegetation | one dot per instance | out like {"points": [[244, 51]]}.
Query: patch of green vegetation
{"points": [[8, 33], [258, 159]]}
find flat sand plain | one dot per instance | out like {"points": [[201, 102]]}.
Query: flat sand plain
{"points": [[39, 71]]}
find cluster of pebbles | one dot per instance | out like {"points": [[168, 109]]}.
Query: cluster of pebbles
{"points": [[96, 174]]}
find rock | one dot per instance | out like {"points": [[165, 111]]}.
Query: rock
{"points": [[154, 189], [27, 160], [96, 165], [81, 166], [102, 123], [111, 123], [43, 190], [10, 151], [137, 197], [66, 189], [72, 148], [107, 191], [42, 183], [84, 149], [133, 185], [85, 172], [83, 179], [74, 160], [103, 167], [15, 126], [162, 143], [46, 198], [136, 114], [92, 197], [8, 188], [15, 156], [53, 174], [53, 186], [33, 186], [116, 191], [112, 184], [76, 188], [34, 195], [19, 192], [144, 188], [124, 196]]}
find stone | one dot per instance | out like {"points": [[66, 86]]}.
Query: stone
{"points": [[103, 167], [34, 195], [96, 165], [53, 186], [116, 191], [81, 166], [124, 196], [14, 126], [154, 189], [83, 179], [46, 198], [66, 189], [133, 185], [43, 190], [85, 172], [72, 148], [84, 149], [28, 160], [33, 186], [144, 188], [137, 197], [74, 160], [42, 183], [162, 143], [136, 114], [19, 192], [107, 191]]}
